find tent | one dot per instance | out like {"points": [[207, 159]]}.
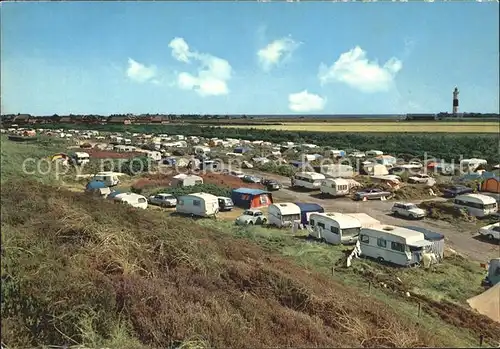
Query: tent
{"points": [[97, 188], [487, 303], [92, 185], [491, 185], [251, 198], [306, 209]]}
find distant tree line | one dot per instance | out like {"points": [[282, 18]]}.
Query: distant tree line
{"points": [[434, 145]]}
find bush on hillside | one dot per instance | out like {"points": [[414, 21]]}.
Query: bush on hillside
{"points": [[282, 170], [136, 165]]}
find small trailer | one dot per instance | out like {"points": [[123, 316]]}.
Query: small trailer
{"points": [[198, 204], [283, 214]]}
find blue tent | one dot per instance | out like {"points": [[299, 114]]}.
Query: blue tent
{"points": [[297, 163], [305, 208], [93, 185], [169, 161], [240, 150]]}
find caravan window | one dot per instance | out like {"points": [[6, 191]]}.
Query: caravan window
{"points": [[196, 203], [335, 230], [396, 246], [342, 187], [322, 225], [141, 200], [381, 243], [311, 222], [365, 239]]}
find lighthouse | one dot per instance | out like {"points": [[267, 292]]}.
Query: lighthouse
{"points": [[455, 101]]}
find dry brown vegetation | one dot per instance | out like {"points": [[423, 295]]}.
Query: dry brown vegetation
{"points": [[82, 270]]}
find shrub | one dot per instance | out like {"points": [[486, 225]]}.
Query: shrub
{"points": [[136, 165]]}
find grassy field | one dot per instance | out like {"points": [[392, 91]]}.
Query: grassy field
{"points": [[448, 127], [78, 270]]}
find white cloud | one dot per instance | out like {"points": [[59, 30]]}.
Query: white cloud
{"points": [[305, 102], [139, 72], [213, 72], [276, 52], [180, 49], [355, 70]]}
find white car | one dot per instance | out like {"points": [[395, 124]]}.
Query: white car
{"points": [[422, 178], [407, 210], [251, 217], [163, 200], [491, 231]]}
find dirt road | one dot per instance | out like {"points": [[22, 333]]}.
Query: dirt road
{"points": [[462, 236]]}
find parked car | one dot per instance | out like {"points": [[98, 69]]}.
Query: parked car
{"points": [[372, 194], [492, 231], [456, 190], [251, 179], [408, 210], [271, 184], [420, 178], [225, 204], [251, 217], [238, 174], [163, 200]]}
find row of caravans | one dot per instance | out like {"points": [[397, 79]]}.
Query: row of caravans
{"points": [[398, 245], [328, 186]]}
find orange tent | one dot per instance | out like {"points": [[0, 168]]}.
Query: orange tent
{"points": [[491, 185]]}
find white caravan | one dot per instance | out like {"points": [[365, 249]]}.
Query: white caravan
{"points": [[309, 180], [334, 228], [336, 187], [198, 204], [477, 205], [132, 199], [81, 158], [470, 165], [397, 245], [184, 180], [154, 155], [283, 214], [109, 178], [373, 153]]}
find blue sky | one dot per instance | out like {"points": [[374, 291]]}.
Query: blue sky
{"points": [[248, 58]]}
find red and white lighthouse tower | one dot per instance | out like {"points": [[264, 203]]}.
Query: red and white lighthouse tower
{"points": [[455, 101]]}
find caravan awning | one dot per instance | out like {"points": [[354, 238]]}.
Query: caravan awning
{"points": [[421, 243]]}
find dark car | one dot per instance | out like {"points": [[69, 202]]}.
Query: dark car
{"points": [[456, 190], [271, 184], [251, 179]]}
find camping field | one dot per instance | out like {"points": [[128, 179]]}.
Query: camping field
{"points": [[383, 127]]}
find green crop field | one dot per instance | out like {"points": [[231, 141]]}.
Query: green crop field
{"points": [[448, 127]]}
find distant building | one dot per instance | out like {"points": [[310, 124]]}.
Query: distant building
{"points": [[21, 119], [124, 120]]}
